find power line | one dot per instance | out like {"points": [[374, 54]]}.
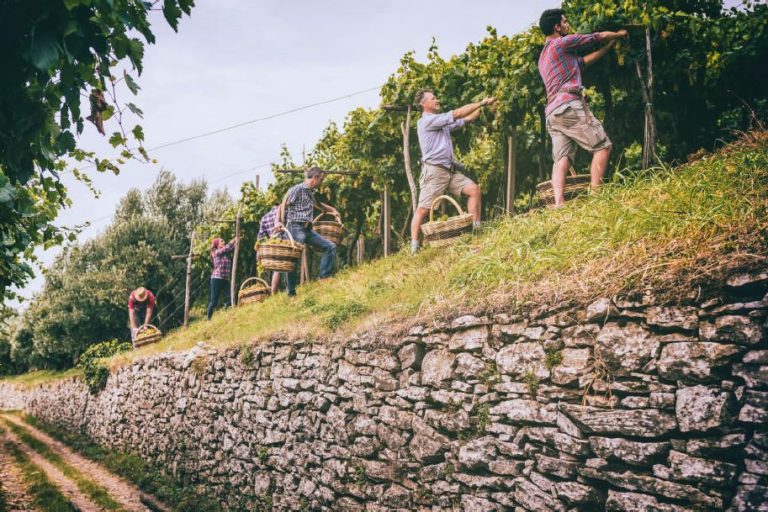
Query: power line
{"points": [[260, 119]]}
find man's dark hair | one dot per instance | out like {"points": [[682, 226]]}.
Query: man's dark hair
{"points": [[549, 19], [420, 95], [314, 171]]}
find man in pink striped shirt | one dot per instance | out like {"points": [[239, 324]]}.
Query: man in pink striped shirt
{"points": [[569, 120]]}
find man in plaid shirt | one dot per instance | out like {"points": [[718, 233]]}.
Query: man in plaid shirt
{"points": [[569, 120], [299, 207]]}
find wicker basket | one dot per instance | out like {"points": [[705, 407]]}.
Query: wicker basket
{"points": [[331, 230], [257, 291], [279, 258], [147, 334], [574, 185], [445, 232]]}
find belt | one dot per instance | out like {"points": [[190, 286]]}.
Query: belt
{"points": [[576, 91]]}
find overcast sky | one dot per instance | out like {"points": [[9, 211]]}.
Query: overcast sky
{"points": [[234, 61]]}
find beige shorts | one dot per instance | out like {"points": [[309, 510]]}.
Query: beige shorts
{"points": [[573, 123], [434, 182]]}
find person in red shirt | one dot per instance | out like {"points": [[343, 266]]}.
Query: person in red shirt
{"points": [[569, 120], [141, 303]]}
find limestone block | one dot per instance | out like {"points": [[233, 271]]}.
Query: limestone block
{"points": [[634, 453], [755, 376], [695, 362], [469, 340], [684, 318], [574, 493], [525, 411], [575, 363], [556, 467], [520, 359], [750, 498], [755, 408], [437, 367], [625, 349], [583, 335], [700, 408], [410, 356], [468, 366], [471, 503], [599, 310], [534, 499], [652, 485], [636, 502], [686, 468], [478, 453], [742, 330], [637, 422]]}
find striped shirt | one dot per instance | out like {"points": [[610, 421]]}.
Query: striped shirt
{"points": [[300, 203], [560, 67], [222, 263], [267, 223]]}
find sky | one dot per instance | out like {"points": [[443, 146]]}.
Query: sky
{"points": [[234, 61]]}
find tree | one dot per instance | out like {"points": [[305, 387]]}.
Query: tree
{"points": [[51, 52]]}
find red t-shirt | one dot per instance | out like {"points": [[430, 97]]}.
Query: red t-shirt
{"points": [[150, 302]]}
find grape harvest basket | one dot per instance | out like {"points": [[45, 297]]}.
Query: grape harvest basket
{"points": [[444, 232], [277, 254], [331, 230], [574, 185], [147, 334], [253, 289]]}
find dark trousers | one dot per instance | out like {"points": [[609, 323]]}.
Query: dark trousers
{"points": [[305, 235], [217, 286]]}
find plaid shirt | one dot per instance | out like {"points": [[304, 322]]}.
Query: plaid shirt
{"points": [[301, 200], [267, 223], [560, 67], [222, 263]]}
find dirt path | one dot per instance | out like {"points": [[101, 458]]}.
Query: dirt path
{"points": [[17, 498], [67, 487], [128, 495]]}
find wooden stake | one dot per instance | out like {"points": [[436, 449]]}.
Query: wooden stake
{"points": [[233, 277], [405, 128], [511, 170], [188, 285], [360, 250], [386, 228]]}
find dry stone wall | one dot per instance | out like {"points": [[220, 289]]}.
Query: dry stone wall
{"points": [[626, 404]]}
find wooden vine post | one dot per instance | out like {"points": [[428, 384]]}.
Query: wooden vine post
{"points": [[646, 88], [233, 278], [511, 169], [188, 285], [386, 214]]}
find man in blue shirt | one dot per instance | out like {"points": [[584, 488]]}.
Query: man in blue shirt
{"points": [[298, 210], [437, 171]]}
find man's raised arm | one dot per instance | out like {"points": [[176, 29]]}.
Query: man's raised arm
{"points": [[469, 108]]}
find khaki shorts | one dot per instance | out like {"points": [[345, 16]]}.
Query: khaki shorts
{"points": [[573, 123], [434, 181]]}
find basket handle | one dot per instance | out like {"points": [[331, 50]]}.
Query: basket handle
{"points": [[254, 279], [145, 327], [441, 199], [322, 214]]}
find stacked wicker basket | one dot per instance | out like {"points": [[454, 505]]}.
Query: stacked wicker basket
{"points": [[329, 229], [445, 232], [147, 334], [278, 257], [253, 289], [574, 185]]}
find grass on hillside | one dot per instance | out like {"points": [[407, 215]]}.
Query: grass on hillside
{"points": [[673, 226], [96, 492]]}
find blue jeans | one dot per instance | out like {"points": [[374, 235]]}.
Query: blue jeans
{"points": [[217, 285], [305, 235]]}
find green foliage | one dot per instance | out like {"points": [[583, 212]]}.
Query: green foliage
{"points": [[553, 358], [52, 53], [531, 380], [85, 294], [343, 313], [94, 370], [246, 355]]}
